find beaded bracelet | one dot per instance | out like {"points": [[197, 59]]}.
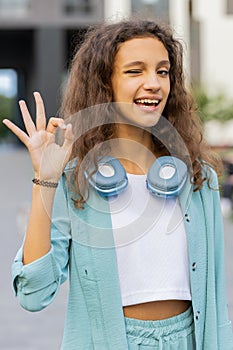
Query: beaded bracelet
{"points": [[45, 183]]}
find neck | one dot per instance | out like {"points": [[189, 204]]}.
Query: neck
{"points": [[134, 147], [135, 133]]}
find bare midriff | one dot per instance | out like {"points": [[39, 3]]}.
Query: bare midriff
{"points": [[156, 310]]}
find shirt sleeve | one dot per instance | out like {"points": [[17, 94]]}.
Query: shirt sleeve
{"points": [[36, 284], [225, 336]]}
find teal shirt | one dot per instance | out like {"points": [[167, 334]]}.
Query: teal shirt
{"points": [[82, 245]]}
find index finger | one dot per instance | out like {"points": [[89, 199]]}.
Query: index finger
{"points": [[54, 123], [17, 131]]}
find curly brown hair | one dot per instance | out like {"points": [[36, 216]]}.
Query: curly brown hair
{"points": [[89, 84]]}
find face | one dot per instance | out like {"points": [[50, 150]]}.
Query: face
{"points": [[141, 80]]}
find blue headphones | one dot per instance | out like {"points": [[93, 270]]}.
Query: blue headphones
{"points": [[166, 177]]}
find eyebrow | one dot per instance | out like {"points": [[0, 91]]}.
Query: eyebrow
{"points": [[140, 63], [164, 63], [134, 63]]}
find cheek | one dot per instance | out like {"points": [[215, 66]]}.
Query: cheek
{"points": [[130, 86], [167, 87], [120, 88], [115, 89]]}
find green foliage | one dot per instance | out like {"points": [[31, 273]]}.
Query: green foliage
{"points": [[213, 107], [6, 111]]}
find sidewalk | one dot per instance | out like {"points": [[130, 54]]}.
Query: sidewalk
{"points": [[19, 329]]}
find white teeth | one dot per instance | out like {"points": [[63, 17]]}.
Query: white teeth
{"points": [[144, 101]]}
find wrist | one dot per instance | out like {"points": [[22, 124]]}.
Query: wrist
{"points": [[42, 177], [51, 183]]}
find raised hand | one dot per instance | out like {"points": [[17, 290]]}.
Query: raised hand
{"points": [[48, 158]]}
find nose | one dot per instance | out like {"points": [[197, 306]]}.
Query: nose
{"points": [[152, 82]]}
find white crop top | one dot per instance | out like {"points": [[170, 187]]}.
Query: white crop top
{"points": [[151, 245]]}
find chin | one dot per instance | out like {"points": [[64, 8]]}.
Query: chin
{"points": [[127, 113], [148, 120]]}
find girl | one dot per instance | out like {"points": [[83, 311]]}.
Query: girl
{"points": [[146, 265]]}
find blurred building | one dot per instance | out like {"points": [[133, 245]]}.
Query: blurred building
{"points": [[36, 41], [215, 19], [37, 38]]}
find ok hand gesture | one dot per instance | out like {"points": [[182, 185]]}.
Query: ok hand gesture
{"points": [[48, 158]]}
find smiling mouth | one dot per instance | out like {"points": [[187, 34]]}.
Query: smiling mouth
{"points": [[147, 102]]}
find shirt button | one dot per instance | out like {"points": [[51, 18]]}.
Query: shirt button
{"points": [[187, 218], [194, 266], [197, 316]]}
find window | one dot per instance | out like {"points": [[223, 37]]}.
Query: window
{"points": [[74, 7], [151, 8], [14, 8], [8, 82]]}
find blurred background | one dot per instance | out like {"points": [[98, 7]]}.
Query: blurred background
{"points": [[37, 41]]}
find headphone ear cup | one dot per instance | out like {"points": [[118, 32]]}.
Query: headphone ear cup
{"points": [[167, 176], [110, 179]]}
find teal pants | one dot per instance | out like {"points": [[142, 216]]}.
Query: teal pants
{"points": [[175, 333]]}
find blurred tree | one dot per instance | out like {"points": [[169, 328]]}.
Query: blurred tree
{"points": [[212, 107], [6, 111]]}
